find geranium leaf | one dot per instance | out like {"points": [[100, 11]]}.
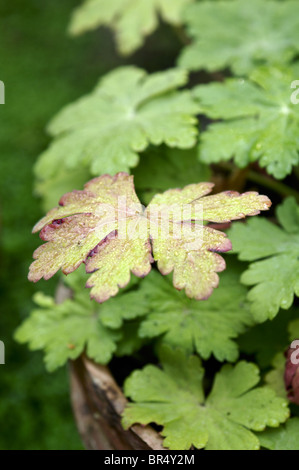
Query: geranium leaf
{"points": [[128, 110], [259, 121], [241, 34], [195, 261], [174, 398], [132, 20], [106, 227], [114, 313], [83, 229], [275, 272], [283, 438], [65, 330], [205, 327]]}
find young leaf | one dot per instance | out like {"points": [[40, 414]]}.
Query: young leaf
{"points": [[285, 437], [132, 20], [64, 330], [174, 398], [106, 130], [275, 250], [241, 34], [259, 121], [205, 327], [106, 227]]}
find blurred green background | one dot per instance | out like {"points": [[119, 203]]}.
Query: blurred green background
{"points": [[43, 69]]}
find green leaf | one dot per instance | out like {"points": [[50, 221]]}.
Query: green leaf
{"points": [[128, 110], [275, 272], [114, 312], [288, 216], [161, 168], [284, 438], [65, 330], [78, 324], [241, 34], [258, 120], [275, 378], [205, 327], [132, 20], [106, 227], [174, 398]]}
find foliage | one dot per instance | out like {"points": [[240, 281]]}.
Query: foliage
{"points": [[174, 397], [106, 227], [143, 311], [259, 122], [275, 272], [132, 20], [65, 330], [137, 134], [205, 327], [283, 438], [106, 130], [34, 407], [241, 34]]}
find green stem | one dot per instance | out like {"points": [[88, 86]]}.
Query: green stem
{"points": [[272, 184], [266, 181]]}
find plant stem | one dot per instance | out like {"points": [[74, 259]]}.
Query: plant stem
{"points": [[272, 184], [266, 181]]}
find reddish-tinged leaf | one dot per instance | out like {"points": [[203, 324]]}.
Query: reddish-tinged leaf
{"points": [[106, 227], [116, 258], [231, 205]]}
